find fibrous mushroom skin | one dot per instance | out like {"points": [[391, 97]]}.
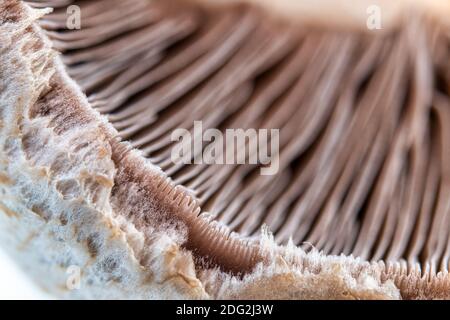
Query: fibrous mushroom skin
{"points": [[363, 170]]}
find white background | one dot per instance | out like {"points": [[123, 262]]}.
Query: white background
{"points": [[14, 284]]}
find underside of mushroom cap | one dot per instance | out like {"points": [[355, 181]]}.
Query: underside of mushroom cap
{"points": [[78, 194]]}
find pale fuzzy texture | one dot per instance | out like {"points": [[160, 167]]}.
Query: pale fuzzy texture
{"points": [[57, 208]]}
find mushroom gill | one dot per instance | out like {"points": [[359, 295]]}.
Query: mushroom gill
{"points": [[363, 116]]}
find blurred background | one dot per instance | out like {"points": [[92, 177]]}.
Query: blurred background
{"points": [[14, 283]]}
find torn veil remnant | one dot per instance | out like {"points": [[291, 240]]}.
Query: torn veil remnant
{"points": [[363, 152]]}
